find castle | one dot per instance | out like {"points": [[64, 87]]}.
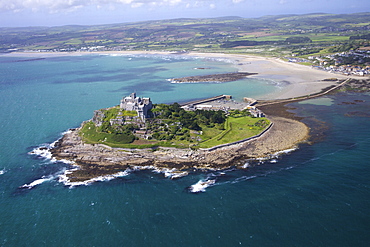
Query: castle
{"points": [[140, 105]]}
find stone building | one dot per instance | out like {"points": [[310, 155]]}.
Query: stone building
{"points": [[141, 105]]}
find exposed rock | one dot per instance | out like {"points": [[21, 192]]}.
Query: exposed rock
{"points": [[213, 78], [98, 117]]}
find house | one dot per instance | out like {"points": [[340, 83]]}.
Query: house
{"points": [[256, 112]]}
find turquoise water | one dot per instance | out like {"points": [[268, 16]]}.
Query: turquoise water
{"points": [[318, 195]]}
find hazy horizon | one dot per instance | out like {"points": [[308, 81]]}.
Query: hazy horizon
{"points": [[99, 12]]}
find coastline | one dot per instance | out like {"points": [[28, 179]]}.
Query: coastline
{"points": [[293, 79], [99, 161]]}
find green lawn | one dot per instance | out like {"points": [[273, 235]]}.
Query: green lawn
{"points": [[90, 135], [237, 129]]}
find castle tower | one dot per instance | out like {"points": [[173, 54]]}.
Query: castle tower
{"points": [[134, 103]]}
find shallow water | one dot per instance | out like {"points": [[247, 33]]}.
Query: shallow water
{"points": [[317, 195]]}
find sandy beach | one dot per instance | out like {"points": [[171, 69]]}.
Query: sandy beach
{"points": [[293, 79]]}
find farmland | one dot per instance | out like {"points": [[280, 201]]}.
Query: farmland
{"points": [[269, 35]]}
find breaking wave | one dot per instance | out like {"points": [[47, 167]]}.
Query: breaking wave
{"points": [[201, 185], [64, 178], [37, 182], [43, 151]]}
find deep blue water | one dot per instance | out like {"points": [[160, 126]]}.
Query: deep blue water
{"points": [[319, 195]]}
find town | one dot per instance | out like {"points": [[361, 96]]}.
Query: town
{"points": [[354, 62]]}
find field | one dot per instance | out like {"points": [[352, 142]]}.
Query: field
{"points": [[204, 35]]}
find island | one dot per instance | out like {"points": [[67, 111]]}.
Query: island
{"points": [[214, 133], [225, 77]]}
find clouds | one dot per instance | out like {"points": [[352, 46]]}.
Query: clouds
{"points": [[70, 5], [91, 12]]}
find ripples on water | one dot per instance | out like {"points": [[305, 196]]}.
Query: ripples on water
{"points": [[317, 195]]}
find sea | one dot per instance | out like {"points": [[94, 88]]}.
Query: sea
{"points": [[316, 195]]}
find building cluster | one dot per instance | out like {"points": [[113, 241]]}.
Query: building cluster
{"points": [[347, 69], [225, 103], [257, 113], [346, 63]]}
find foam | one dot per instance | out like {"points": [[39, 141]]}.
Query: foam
{"points": [[243, 178], [286, 151], [37, 182], [273, 157], [2, 171], [63, 178], [246, 165], [168, 173], [43, 150], [201, 185]]}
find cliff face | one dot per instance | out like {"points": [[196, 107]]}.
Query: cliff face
{"points": [[98, 160]]}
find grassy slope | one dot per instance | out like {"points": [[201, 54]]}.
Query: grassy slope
{"points": [[235, 129]]}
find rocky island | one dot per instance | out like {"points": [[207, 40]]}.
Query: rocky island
{"points": [[209, 134], [140, 135], [226, 77]]}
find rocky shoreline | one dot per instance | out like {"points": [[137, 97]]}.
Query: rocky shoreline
{"points": [[96, 160]]}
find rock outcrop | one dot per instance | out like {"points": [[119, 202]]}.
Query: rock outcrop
{"points": [[212, 78]]}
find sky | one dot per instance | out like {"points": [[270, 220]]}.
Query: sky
{"points": [[24, 13]]}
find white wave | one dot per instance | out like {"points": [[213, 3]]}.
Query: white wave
{"points": [[201, 185], [246, 165], [63, 178], [273, 157], [2, 171], [43, 150], [287, 151], [169, 173], [174, 173], [37, 182], [243, 178]]}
